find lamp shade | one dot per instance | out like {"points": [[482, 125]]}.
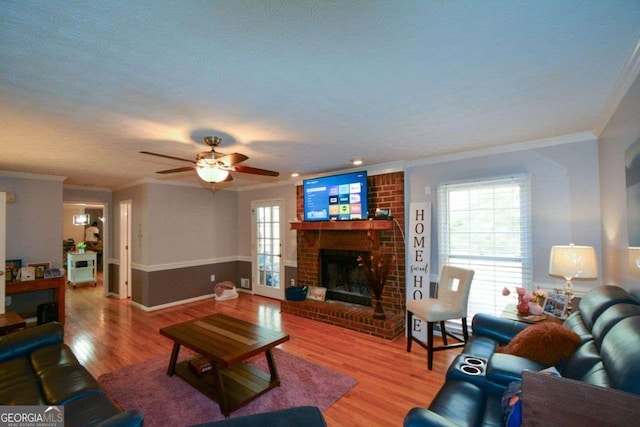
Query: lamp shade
{"points": [[212, 174], [573, 262]]}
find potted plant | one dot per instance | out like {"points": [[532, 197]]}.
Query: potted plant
{"points": [[81, 247]]}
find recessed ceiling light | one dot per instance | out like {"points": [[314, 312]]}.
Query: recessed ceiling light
{"points": [[295, 175], [357, 162]]}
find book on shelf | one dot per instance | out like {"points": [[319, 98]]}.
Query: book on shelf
{"points": [[200, 365]]}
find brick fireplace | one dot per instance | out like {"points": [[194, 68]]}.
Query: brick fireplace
{"points": [[385, 191]]}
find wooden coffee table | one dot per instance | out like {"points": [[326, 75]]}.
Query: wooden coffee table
{"points": [[226, 342]]}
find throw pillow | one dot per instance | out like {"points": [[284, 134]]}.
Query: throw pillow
{"points": [[544, 342]]}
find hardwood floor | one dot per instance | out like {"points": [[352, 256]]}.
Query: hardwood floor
{"points": [[107, 334]]}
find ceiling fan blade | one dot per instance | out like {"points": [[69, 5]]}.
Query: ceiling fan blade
{"points": [[231, 159], [166, 157], [255, 171], [184, 169]]}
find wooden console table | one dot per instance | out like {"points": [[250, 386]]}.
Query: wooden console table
{"points": [[57, 284]]}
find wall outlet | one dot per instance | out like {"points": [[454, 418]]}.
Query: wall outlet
{"points": [[293, 282], [7, 301], [213, 277], [245, 283]]}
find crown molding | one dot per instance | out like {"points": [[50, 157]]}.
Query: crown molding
{"points": [[156, 181], [510, 148], [283, 183], [86, 188], [40, 177], [621, 86]]}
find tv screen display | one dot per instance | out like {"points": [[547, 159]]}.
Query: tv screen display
{"points": [[336, 197]]}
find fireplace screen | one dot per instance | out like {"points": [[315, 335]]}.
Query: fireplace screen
{"points": [[342, 277]]}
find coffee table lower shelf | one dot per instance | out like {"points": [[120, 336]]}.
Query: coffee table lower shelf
{"points": [[242, 383]]}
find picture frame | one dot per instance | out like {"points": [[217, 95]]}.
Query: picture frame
{"points": [[556, 305], [27, 273], [39, 268], [12, 269], [81, 219], [316, 293], [50, 273]]}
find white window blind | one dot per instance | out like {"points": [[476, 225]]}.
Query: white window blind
{"points": [[485, 226]]}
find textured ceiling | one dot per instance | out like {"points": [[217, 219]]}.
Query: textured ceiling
{"points": [[301, 86]]}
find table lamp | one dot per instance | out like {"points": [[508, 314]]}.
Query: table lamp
{"points": [[573, 262]]}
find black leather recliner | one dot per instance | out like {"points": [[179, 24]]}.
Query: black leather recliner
{"points": [[608, 324]]}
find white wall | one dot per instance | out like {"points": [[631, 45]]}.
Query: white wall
{"points": [[190, 223], [622, 130], [173, 224], [34, 220], [565, 197]]}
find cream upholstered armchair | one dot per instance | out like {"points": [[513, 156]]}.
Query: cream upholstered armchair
{"points": [[451, 303]]}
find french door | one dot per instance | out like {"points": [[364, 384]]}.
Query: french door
{"points": [[268, 269]]}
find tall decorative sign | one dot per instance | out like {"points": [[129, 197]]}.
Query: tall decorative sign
{"points": [[418, 257]]}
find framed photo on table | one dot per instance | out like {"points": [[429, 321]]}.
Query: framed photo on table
{"points": [[556, 305], [12, 268], [316, 293], [39, 268]]}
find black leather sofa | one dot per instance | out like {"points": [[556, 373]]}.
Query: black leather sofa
{"points": [[299, 416], [37, 368], [608, 323]]}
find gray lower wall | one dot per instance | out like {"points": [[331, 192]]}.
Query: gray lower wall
{"points": [[156, 288]]}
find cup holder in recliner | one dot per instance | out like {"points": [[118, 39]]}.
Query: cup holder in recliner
{"points": [[470, 370], [472, 366], [474, 361]]}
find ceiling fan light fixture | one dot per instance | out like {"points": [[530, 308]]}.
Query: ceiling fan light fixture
{"points": [[212, 174]]}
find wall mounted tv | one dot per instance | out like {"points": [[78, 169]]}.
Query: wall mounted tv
{"points": [[336, 197]]}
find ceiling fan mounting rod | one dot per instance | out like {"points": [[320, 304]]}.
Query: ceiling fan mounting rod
{"points": [[212, 141]]}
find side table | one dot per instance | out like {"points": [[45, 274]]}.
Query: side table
{"points": [[10, 322], [511, 313]]}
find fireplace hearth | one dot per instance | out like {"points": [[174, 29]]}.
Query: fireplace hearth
{"points": [[342, 277]]}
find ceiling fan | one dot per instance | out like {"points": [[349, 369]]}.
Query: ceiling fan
{"points": [[213, 166]]}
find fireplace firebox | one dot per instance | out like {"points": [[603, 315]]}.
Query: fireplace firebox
{"points": [[342, 277]]}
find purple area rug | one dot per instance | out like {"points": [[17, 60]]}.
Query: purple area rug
{"points": [[171, 401]]}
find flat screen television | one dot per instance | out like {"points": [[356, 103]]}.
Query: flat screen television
{"points": [[336, 197]]}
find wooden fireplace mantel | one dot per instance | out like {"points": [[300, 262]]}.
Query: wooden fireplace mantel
{"points": [[364, 225], [311, 229]]}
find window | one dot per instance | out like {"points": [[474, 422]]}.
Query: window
{"points": [[484, 226]]}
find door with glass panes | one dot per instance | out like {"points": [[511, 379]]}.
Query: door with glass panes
{"points": [[268, 269]]}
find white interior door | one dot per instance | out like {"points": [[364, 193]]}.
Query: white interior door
{"points": [[124, 284], [3, 238], [268, 268]]}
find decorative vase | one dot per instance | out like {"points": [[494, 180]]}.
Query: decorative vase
{"points": [[378, 312], [80, 251]]}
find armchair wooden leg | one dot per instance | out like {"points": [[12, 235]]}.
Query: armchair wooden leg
{"points": [[443, 331], [430, 345]]}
